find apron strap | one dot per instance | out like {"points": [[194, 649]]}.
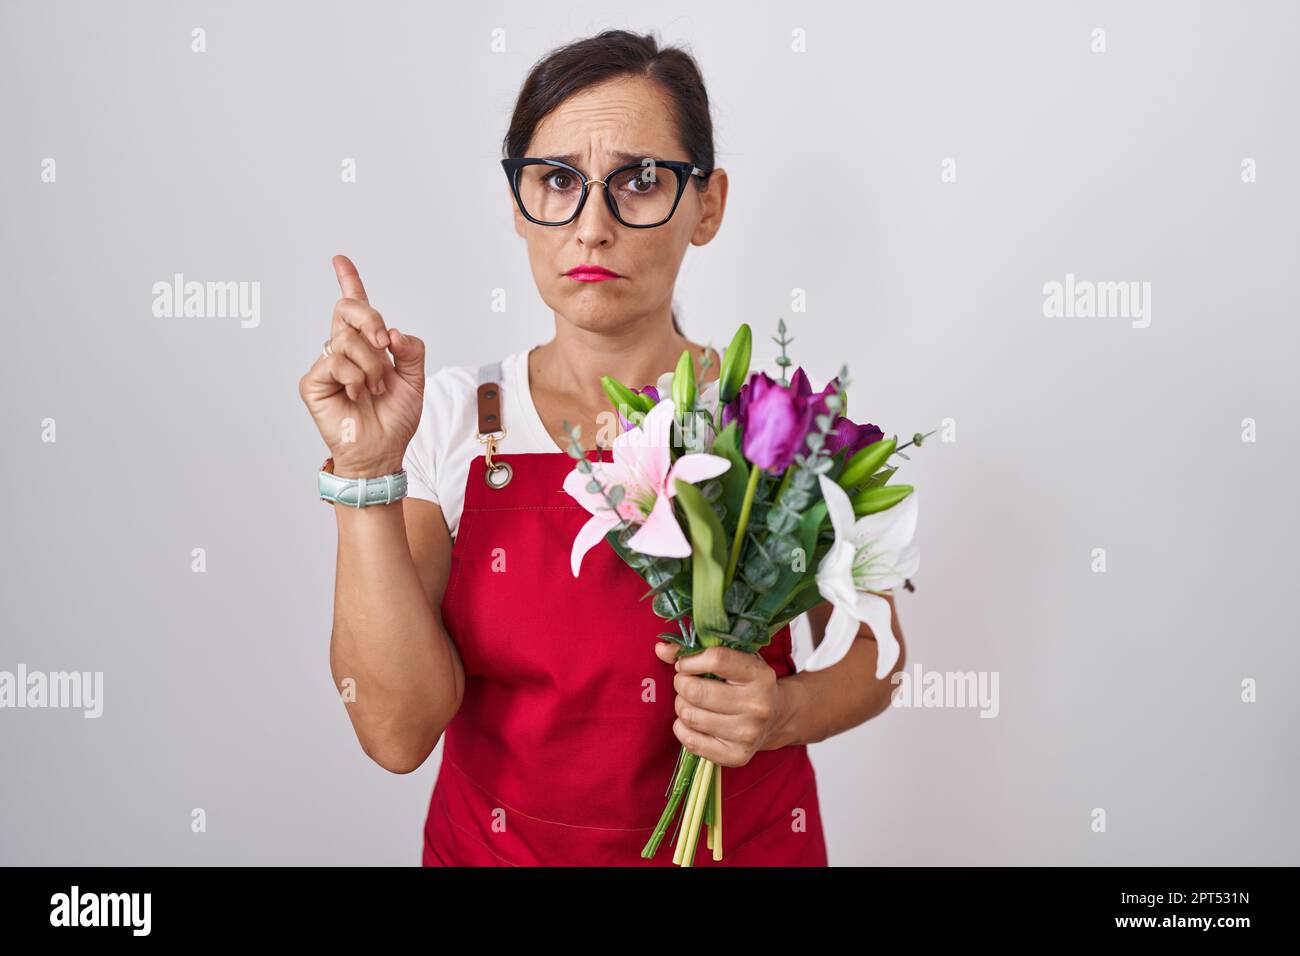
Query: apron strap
{"points": [[489, 399], [491, 428]]}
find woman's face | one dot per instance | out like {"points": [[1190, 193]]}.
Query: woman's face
{"points": [[595, 127]]}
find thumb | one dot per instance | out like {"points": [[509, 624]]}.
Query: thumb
{"points": [[408, 358], [666, 651]]}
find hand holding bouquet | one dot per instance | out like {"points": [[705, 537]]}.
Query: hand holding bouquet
{"points": [[743, 505]]}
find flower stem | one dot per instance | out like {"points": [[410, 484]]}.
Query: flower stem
{"points": [[688, 814], [685, 769], [754, 473], [717, 825], [704, 779]]}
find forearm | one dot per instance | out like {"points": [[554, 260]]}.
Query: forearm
{"points": [[389, 641], [821, 704]]}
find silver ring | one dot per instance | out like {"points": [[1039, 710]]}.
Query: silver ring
{"points": [[327, 351]]}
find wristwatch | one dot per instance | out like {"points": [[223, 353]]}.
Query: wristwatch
{"points": [[360, 492]]}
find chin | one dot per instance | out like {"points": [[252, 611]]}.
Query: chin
{"points": [[598, 312]]}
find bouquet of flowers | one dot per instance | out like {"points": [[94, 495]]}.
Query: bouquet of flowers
{"points": [[743, 505]]}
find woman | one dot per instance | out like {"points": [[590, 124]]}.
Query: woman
{"points": [[560, 733]]}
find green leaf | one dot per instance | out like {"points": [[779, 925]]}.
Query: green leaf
{"points": [[880, 478], [678, 582], [708, 559], [804, 600], [735, 478]]}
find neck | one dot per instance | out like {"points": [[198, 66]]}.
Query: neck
{"points": [[575, 359]]}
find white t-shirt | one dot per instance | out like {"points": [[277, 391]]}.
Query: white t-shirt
{"points": [[446, 442]]}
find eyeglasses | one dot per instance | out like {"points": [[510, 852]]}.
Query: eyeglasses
{"points": [[640, 195]]}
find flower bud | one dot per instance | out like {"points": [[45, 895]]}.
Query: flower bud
{"points": [[865, 463], [735, 365], [623, 397], [684, 383]]}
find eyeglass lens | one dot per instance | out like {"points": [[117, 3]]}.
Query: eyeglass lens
{"points": [[644, 195]]}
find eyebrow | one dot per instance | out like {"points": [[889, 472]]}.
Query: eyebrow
{"points": [[620, 156]]}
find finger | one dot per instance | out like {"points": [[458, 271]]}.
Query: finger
{"points": [[705, 745], [731, 728], [408, 358], [372, 362], [726, 662], [360, 316], [330, 374], [666, 651], [349, 279], [338, 368], [709, 694]]}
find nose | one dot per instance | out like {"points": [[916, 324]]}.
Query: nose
{"points": [[596, 224]]}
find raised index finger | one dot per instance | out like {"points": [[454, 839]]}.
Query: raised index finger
{"points": [[349, 279]]}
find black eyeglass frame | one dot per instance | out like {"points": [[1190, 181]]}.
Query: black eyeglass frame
{"points": [[684, 171]]}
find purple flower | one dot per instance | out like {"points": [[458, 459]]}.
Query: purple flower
{"points": [[774, 420], [800, 385], [845, 434]]}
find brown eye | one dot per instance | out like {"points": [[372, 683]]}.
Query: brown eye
{"points": [[639, 182]]}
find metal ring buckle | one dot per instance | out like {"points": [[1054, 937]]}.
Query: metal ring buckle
{"points": [[498, 468]]}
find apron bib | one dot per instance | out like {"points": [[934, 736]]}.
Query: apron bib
{"points": [[562, 750]]}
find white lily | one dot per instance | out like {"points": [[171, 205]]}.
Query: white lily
{"points": [[871, 556]]}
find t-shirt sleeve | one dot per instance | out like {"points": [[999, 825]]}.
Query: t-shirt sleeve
{"points": [[422, 453]]}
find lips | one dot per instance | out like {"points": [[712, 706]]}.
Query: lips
{"points": [[588, 273]]}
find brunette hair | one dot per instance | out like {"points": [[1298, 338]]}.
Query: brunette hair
{"points": [[584, 63]]}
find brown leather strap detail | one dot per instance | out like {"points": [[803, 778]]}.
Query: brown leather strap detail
{"points": [[489, 408]]}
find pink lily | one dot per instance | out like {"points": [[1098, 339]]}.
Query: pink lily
{"points": [[643, 466]]}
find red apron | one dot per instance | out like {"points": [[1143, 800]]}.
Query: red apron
{"points": [[563, 749]]}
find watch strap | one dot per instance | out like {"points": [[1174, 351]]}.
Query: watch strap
{"points": [[362, 492]]}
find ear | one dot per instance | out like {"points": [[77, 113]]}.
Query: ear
{"points": [[713, 203], [520, 221]]}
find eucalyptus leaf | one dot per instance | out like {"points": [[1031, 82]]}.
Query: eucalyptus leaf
{"points": [[782, 520], [795, 499], [761, 574], [737, 597], [663, 605], [803, 480], [771, 601]]}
